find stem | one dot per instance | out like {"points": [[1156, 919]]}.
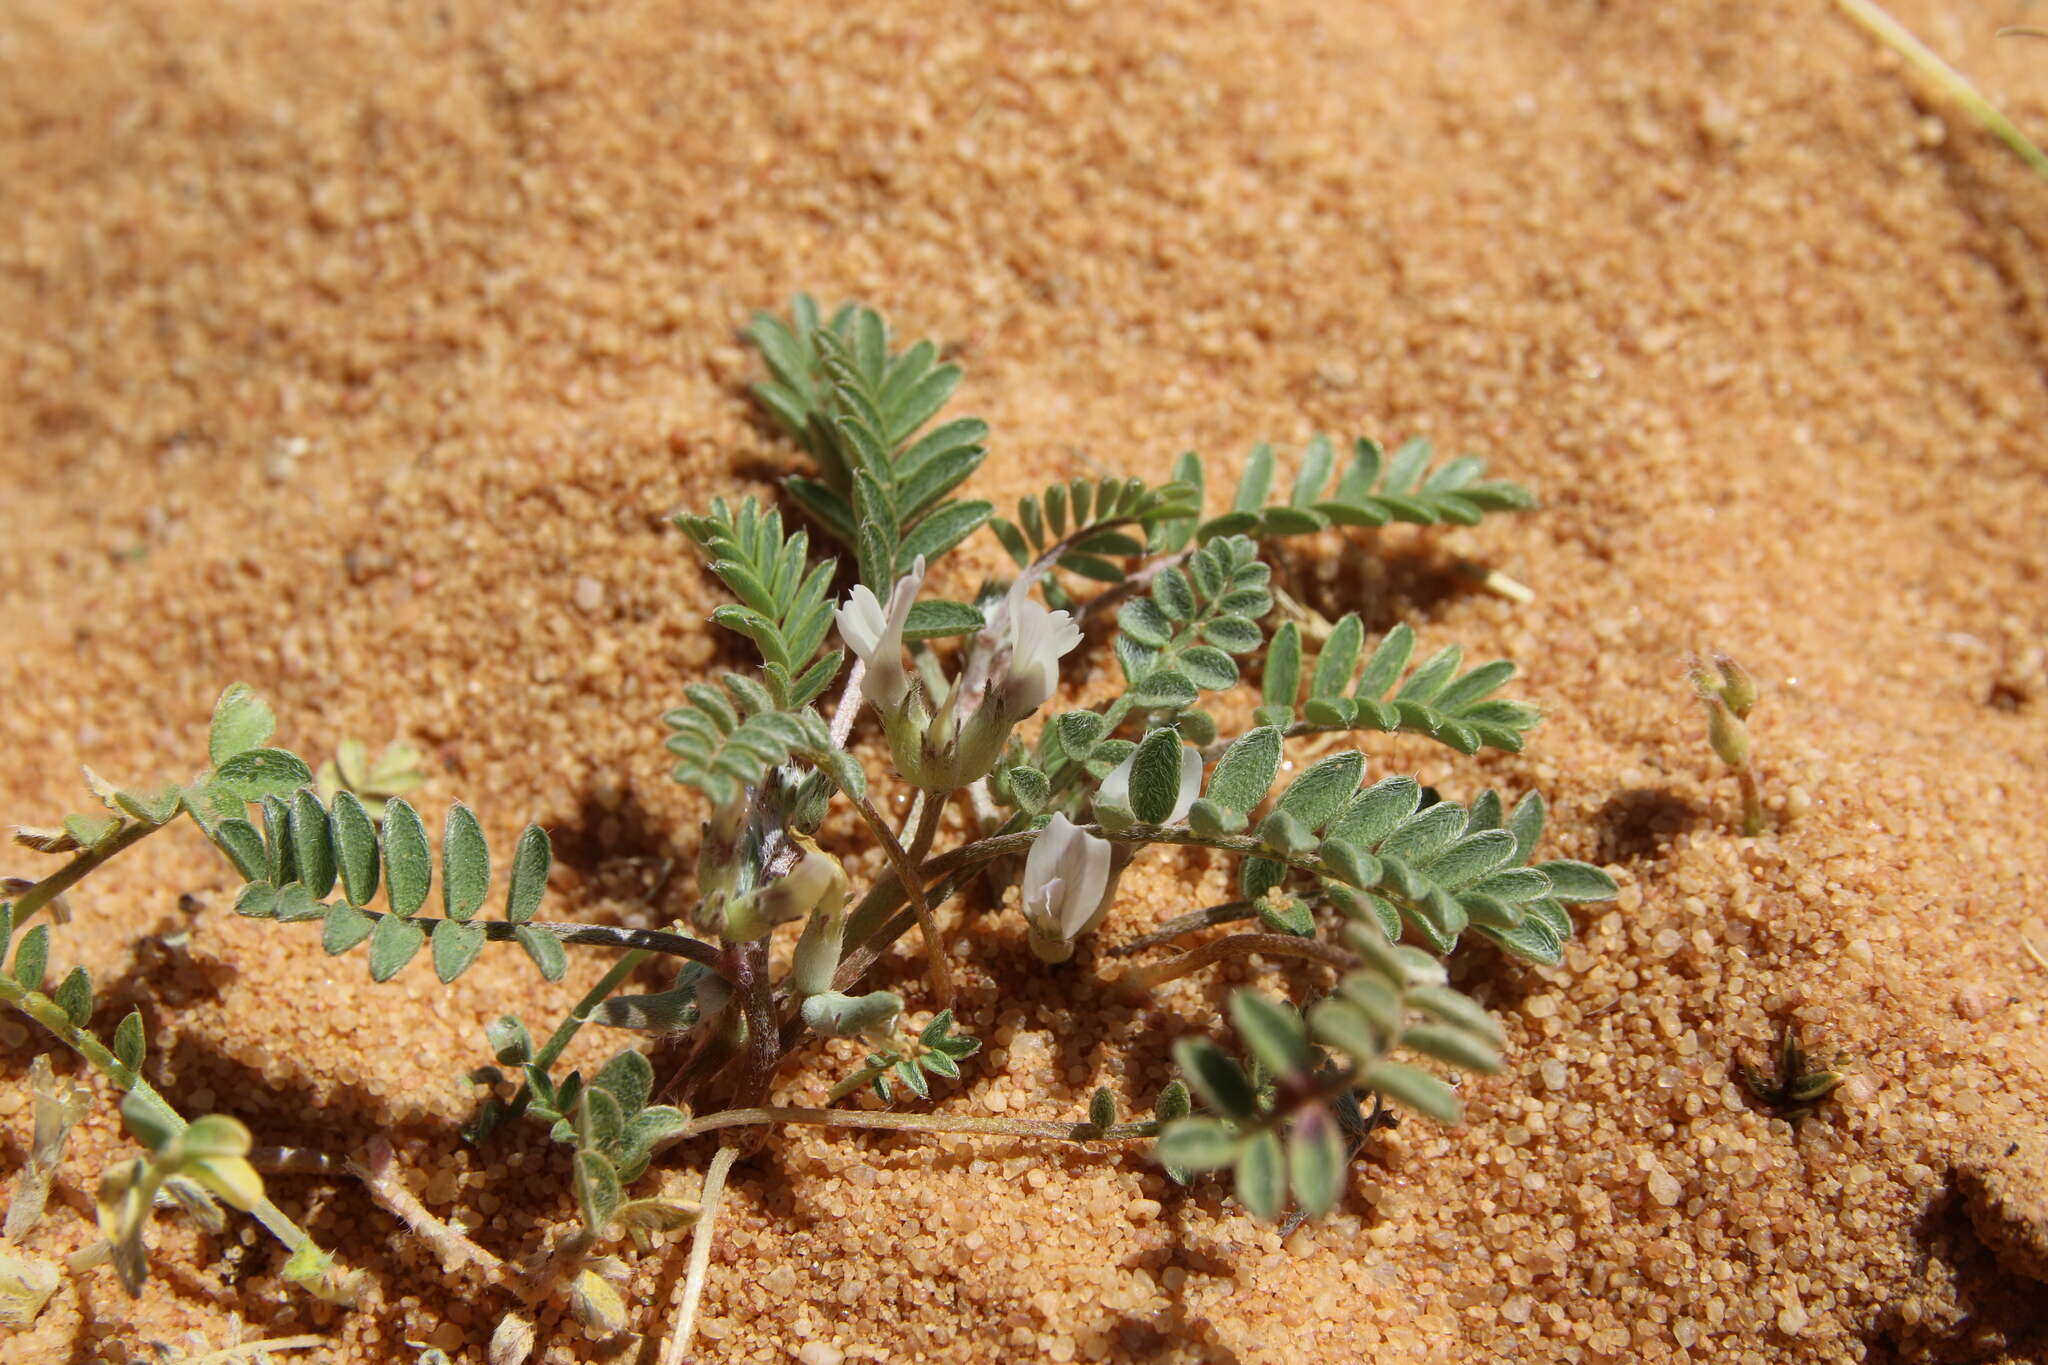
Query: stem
{"points": [[1754, 820], [380, 1177], [764, 1036], [579, 1016], [987, 818], [706, 1057], [870, 930], [132, 832], [1315, 627], [1496, 582], [643, 941], [52, 1016], [937, 968], [1227, 913], [1301, 729], [1139, 979], [893, 1121], [849, 703], [1137, 582], [1895, 35], [678, 1343], [559, 1040]]}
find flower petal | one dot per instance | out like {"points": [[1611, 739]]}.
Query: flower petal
{"points": [[1190, 783], [1086, 894], [1042, 863], [860, 622], [1115, 789]]}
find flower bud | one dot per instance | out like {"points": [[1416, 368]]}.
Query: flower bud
{"points": [[875, 634], [817, 951], [1067, 888], [723, 864], [1028, 667], [850, 1016], [816, 882]]}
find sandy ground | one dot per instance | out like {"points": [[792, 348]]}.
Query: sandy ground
{"points": [[360, 352]]}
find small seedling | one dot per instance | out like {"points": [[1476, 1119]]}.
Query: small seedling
{"points": [[1728, 693], [1794, 1087]]}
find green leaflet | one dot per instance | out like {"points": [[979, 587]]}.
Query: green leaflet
{"points": [[241, 721], [857, 408], [1043, 528], [355, 847], [253, 774], [1155, 776], [722, 747], [1246, 770], [1369, 491], [1177, 641], [1316, 1160], [465, 864], [1317, 795], [393, 943], [529, 875], [1261, 1176], [456, 946], [408, 865], [1273, 1031]]}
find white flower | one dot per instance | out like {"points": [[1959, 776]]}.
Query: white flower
{"points": [[1035, 642], [1067, 887], [1115, 790], [875, 635], [1018, 659]]}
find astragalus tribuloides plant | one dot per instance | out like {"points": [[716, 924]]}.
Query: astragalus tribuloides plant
{"points": [[1374, 882]]}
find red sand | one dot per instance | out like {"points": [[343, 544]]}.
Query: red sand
{"points": [[355, 350]]}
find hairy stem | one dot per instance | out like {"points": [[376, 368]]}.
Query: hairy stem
{"points": [[1140, 979], [380, 1177], [132, 832], [894, 1121], [849, 703], [764, 1038], [1209, 917], [1754, 820], [297, 1161], [678, 1344], [258, 1350], [559, 1040], [1898, 38], [566, 1030], [1136, 583], [937, 968], [870, 930], [643, 941]]}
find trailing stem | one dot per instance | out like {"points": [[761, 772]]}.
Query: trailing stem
{"points": [[678, 1344], [1139, 980], [83, 863], [904, 862]]}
